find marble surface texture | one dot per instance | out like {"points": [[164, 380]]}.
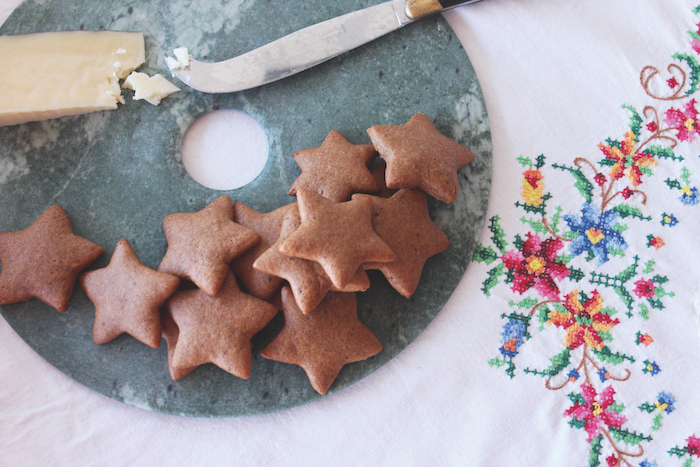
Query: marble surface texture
{"points": [[118, 173]]}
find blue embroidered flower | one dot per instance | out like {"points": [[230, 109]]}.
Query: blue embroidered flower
{"points": [[668, 219], [651, 367], [603, 374], [646, 463], [665, 402], [512, 337], [689, 196], [573, 375], [595, 232]]}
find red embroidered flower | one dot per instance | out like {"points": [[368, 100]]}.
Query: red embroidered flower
{"points": [[595, 411], [583, 322], [612, 460], [652, 126], [625, 159], [672, 82], [685, 122], [626, 193], [693, 447], [600, 179], [644, 288], [535, 265]]}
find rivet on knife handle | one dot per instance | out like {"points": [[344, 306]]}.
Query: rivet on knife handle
{"points": [[416, 9]]}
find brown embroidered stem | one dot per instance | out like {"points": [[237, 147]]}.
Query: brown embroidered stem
{"points": [[621, 455], [554, 234], [606, 195], [650, 72], [644, 201]]}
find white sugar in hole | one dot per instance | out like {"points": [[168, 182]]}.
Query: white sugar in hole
{"points": [[224, 149]]}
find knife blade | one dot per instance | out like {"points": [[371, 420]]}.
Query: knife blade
{"points": [[307, 47]]}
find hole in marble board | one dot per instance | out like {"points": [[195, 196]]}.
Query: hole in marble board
{"points": [[224, 149]]}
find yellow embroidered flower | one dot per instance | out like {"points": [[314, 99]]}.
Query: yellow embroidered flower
{"points": [[533, 188]]}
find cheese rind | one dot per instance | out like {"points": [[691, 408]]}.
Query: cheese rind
{"points": [[55, 74]]}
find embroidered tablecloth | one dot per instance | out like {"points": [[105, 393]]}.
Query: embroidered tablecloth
{"points": [[573, 337]]}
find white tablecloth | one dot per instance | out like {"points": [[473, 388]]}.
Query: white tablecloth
{"points": [[605, 373]]}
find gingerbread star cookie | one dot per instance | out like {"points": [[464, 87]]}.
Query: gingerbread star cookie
{"points": [[336, 169], [419, 156], [170, 334], [307, 279], [44, 260], [217, 329], [258, 283], [323, 341], [417, 240], [202, 244], [338, 236], [127, 297]]}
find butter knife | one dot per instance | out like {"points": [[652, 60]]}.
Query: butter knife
{"points": [[305, 48]]}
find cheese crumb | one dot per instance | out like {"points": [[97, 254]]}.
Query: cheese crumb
{"points": [[181, 60], [152, 89]]}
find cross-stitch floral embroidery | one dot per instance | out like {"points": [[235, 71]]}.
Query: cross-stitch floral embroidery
{"points": [[548, 265]]}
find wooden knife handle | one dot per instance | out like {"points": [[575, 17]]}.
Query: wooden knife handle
{"points": [[416, 9]]}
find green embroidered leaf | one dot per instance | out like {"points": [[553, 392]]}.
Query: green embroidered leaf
{"points": [[688, 462], [583, 185], [609, 311], [576, 274], [635, 122], [604, 335], [576, 398], [663, 152], [607, 356], [576, 423], [618, 408], [656, 423], [625, 296], [685, 175], [564, 258], [559, 362], [673, 184], [497, 362], [659, 279], [535, 224], [625, 211], [631, 438], [649, 266], [647, 407], [525, 303], [525, 161], [596, 448], [676, 451], [554, 223], [492, 279], [571, 234], [484, 255], [694, 66], [540, 161], [629, 272], [644, 312], [616, 252], [620, 227], [498, 236]]}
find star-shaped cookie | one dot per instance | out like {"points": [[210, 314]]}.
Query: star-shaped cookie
{"points": [[323, 341], [258, 283], [170, 334], [44, 260], [418, 239], [338, 236], [202, 244], [127, 297], [336, 169], [217, 329], [419, 156], [307, 279]]}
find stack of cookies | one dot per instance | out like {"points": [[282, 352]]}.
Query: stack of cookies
{"points": [[229, 269]]}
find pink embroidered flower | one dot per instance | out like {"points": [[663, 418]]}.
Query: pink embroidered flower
{"points": [[583, 322], [626, 193], [672, 82], [612, 460], [685, 122], [625, 160], [644, 288], [652, 126], [536, 265], [595, 411]]}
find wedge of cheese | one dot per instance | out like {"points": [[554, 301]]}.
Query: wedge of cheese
{"points": [[54, 74]]}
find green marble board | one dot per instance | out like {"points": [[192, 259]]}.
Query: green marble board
{"points": [[118, 173]]}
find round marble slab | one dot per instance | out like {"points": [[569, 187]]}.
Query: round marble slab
{"points": [[118, 173]]}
